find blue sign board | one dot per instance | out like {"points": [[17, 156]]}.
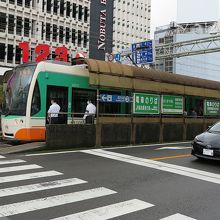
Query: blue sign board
{"points": [[117, 57], [115, 98], [143, 53]]}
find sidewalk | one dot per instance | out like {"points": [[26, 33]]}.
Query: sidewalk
{"points": [[8, 149]]}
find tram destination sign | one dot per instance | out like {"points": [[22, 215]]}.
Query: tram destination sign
{"points": [[212, 107], [171, 104], [146, 103], [115, 98]]}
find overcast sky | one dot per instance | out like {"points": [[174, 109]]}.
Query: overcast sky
{"points": [[165, 11], [162, 13]]}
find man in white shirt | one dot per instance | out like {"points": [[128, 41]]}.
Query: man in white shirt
{"points": [[90, 113], [53, 112]]}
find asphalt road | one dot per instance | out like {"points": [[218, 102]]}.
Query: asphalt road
{"points": [[151, 182]]}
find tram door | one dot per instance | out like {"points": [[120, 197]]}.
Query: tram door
{"points": [[60, 94]]}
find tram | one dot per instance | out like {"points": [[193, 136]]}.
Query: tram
{"points": [[28, 93], [31, 87]]}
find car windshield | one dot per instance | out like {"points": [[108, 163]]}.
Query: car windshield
{"points": [[215, 128], [16, 93]]}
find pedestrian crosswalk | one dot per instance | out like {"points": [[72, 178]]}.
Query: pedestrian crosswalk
{"points": [[57, 199]]}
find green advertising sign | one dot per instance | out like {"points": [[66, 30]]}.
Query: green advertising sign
{"points": [[211, 107], [146, 103], [171, 104]]}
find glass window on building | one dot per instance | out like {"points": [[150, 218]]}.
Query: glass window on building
{"points": [[54, 33], [19, 26], [10, 53], [80, 13], [27, 3], [86, 14], [68, 9], [12, 2], [47, 31], [49, 6], [18, 55], [43, 4], [42, 30], [19, 2], [11, 24], [26, 27], [73, 36], [2, 54], [55, 6], [61, 7], [61, 34], [74, 10], [79, 38], [2, 22], [85, 39], [67, 35]]}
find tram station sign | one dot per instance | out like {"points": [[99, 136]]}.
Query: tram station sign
{"points": [[212, 107], [171, 104], [115, 98], [146, 103]]}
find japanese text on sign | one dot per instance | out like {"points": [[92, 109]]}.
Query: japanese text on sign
{"points": [[146, 103]]}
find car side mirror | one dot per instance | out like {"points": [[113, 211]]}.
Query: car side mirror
{"points": [[209, 127]]}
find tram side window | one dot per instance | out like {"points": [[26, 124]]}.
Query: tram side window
{"points": [[80, 98], [36, 104]]}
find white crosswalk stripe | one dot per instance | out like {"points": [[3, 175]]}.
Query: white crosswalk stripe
{"points": [[40, 186], [1, 156], [19, 168], [47, 202], [178, 217], [110, 211], [28, 176], [3, 162]]}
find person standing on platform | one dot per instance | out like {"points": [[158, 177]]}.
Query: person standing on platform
{"points": [[53, 112], [90, 113]]}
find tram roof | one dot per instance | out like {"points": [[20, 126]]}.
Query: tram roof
{"points": [[109, 68]]}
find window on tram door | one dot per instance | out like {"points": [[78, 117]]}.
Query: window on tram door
{"points": [[36, 104], [80, 98]]}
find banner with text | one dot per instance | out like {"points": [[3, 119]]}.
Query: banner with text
{"points": [[212, 107], [146, 103], [171, 104]]}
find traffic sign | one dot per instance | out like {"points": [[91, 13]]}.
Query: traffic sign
{"points": [[115, 98], [143, 52]]}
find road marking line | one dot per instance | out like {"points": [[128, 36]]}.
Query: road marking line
{"points": [[180, 170], [173, 148], [1, 156], [52, 201], [110, 211], [108, 148], [178, 216], [28, 176], [40, 186], [171, 157], [2, 162], [19, 168]]}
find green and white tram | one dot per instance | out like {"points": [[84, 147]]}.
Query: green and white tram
{"points": [[28, 93]]}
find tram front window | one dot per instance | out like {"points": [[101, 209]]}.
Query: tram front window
{"points": [[16, 93]]}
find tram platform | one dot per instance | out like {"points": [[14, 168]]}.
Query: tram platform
{"points": [[7, 148]]}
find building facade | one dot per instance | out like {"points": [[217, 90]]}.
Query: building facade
{"points": [[96, 27], [56, 23], [131, 23], [203, 65]]}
